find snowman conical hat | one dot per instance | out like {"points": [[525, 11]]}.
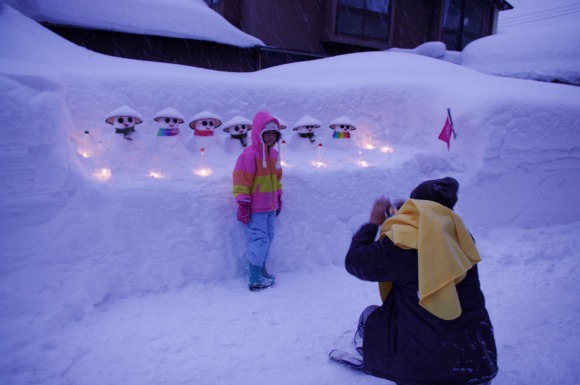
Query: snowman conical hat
{"points": [[237, 121], [170, 113], [306, 121], [205, 115], [343, 120], [281, 123], [124, 111]]}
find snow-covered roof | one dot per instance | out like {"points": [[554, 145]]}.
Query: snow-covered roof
{"points": [[189, 19]]}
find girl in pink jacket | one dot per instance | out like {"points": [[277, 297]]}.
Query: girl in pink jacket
{"points": [[258, 192]]}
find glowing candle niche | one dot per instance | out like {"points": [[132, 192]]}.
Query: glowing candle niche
{"points": [[155, 171], [102, 174], [283, 153], [203, 170], [87, 145], [319, 161], [387, 149], [361, 162], [155, 175]]}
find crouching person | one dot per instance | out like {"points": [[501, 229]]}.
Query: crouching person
{"points": [[433, 326]]}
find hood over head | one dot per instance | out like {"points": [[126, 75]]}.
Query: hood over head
{"points": [[258, 124], [260, 120]]}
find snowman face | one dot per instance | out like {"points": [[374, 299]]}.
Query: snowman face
{"points": [[239, 129], [205, 125], [342, 127], [124, 122], [171, 122], [306, 129]]}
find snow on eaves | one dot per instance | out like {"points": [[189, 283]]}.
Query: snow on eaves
{"points": [[189, 19]]}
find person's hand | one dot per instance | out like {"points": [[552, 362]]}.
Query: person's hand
{"points": [[244, 212], [378, 212]]}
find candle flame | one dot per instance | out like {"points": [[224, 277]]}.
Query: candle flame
{"points": [[85, 153], [102, 173], [387, 149], [203, 171]]}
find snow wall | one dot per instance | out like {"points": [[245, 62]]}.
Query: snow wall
{"points": [[516, 156]]}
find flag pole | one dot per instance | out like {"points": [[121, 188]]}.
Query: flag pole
{"points": [[451, 121]]}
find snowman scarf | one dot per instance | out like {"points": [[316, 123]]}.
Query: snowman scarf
{"points": [[126, 132], [309, 135], [243, 138]]}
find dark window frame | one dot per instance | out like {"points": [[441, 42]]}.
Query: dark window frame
{"points": [[462, 35], [367, 17], [212, 3]]}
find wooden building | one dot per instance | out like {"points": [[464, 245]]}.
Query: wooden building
{"points": [[297, 30]]}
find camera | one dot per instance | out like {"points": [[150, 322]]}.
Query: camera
{"points": [[394, 207]]}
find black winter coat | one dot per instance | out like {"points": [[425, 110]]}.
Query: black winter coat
{"points": [[405, 343]]}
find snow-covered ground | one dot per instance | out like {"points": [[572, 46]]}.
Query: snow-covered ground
{"points": [[126, 278]]}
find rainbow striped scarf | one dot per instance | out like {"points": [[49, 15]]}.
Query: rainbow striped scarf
{"points": [[168, 132], [341, 135]]}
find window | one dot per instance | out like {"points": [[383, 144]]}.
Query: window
{"points": [[463, 22], [211, 3], [367, 19]]}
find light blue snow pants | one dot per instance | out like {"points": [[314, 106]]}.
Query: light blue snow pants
{"points": [[260, 234]]}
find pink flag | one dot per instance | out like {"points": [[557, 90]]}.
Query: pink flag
{"points": [[447, 130], [445, 134]]}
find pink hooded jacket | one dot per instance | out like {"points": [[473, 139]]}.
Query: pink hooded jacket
{"points": [[257, 173]]}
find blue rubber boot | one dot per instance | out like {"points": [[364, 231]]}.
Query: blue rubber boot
{"points": [[256, 280], [266, 274]]}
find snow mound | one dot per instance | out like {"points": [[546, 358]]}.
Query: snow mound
{"points": [[547, 53]]}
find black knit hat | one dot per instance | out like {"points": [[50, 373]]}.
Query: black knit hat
{"points": [[442, 191]]}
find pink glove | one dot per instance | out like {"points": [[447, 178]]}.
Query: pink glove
{"points": [[279, 205], [244, 212]]}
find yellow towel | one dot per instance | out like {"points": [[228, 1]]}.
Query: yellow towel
{"points": [[445, 251]]}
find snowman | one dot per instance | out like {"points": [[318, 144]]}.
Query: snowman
{"points": [[341, 136], [238, 128], [204, 125], [124, 120], [305, 138], [125, 148], [92, 151], [168, 144]]}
